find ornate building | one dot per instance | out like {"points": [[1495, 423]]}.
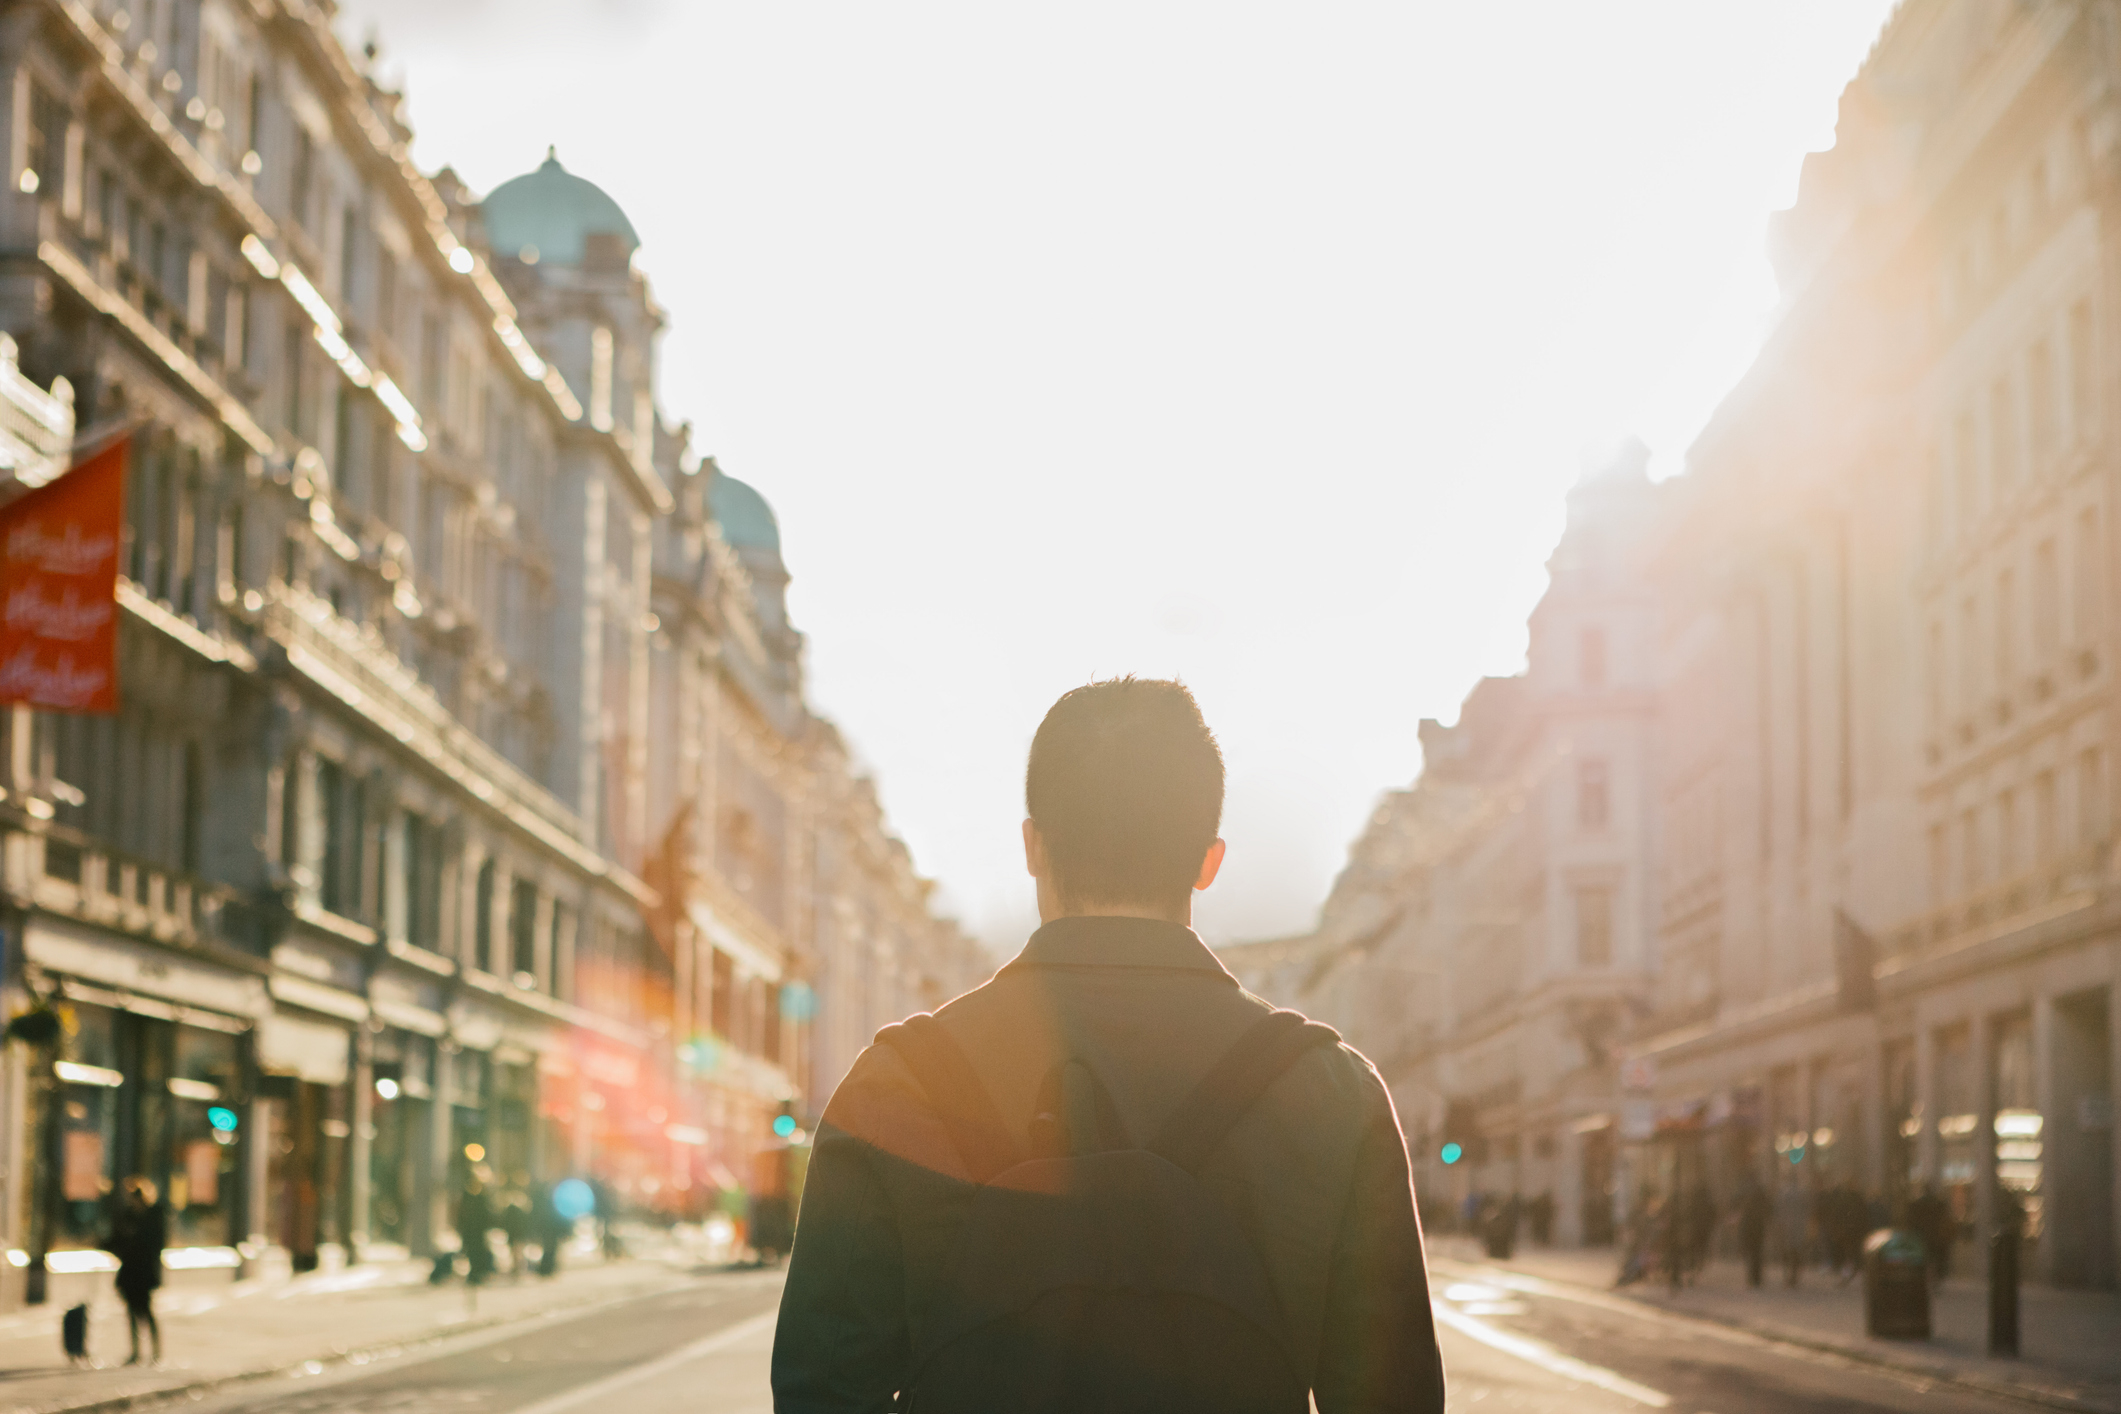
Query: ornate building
{"points": [[1493, 934], [1889, 953], [1866, 930], [464, 816]]}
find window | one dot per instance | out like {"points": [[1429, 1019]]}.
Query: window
{"points": [[339, 818], [2040, 404], [386, 292], [2091, 590], [482, 915], [1969, 655], [1592, 660], [1935, 684], [720, 1012], [44, 150], [2091, 799], [522, 932], [2043, 817], [2007, 835], [600, 378], [253, 120], [1594, 925], [2047, 603], [1940, 867], [302, 176], [1967, 472], [423, 883], [1594, 803], [2003, 440], [1969, 850], [2083, 374], [2006, 626], [297, 343]]}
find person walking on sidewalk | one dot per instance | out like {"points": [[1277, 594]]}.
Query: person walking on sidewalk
{"points": [[1753, 1213], [1110, 1179], [1793, 1227], [137, 1236]]}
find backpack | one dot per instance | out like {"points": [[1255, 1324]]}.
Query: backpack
{"points": [[1098, 1274]]}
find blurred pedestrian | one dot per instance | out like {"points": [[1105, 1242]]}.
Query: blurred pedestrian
{"points": [[1540, 1211], [1754, 1210], [1931, 1218], [1699, 1218], [514, 1217], [137, 1236], [474, 1222], [1793, 1228]]}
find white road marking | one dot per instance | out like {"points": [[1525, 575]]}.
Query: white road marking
{"points": [[1547, 1358], [1471, 1291], [684, 1354]]}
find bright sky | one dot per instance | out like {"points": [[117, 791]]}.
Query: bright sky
{"points": [[1255, 345]]}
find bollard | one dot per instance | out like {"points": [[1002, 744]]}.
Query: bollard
{"points": [[2003, 1290]]}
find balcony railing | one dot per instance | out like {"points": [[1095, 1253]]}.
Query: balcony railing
{"points": [[85, 879]]}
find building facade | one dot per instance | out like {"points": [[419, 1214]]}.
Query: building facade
{"points": [[1872, 929], [1492, 937], [462, 819], [1889, 948]]}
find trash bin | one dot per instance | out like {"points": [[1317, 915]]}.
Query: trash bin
{"points": [[1896, 1288]]}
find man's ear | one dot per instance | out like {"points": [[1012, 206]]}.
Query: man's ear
{"points": [[1034, 850], [1210, 865]]}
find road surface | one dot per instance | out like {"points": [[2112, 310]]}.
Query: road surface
{"points": [[703, 1349]]}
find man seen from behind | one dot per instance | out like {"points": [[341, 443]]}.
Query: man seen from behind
{"points": [[1110, 1179]]}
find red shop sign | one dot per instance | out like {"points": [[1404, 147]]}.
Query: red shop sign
{"points": [[59, 588]]}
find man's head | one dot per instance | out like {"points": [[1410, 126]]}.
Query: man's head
{"points": [[1125, 795]]}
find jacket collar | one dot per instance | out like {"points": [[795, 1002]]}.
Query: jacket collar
{"points": [[1118, 942]]}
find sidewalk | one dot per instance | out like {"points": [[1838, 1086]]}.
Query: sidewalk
{"points": [[2071, 1340], [250, 1329]]}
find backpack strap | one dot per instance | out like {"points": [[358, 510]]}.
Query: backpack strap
{"points": [[1235, 1083], [961, 1101]]}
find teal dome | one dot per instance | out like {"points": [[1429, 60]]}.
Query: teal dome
{"points": [[549, 214], [747, 521]]}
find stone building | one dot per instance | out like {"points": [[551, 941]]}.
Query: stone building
{"points": [[433, 655], [1889, 948], [1493, 934], [1870, 935]]}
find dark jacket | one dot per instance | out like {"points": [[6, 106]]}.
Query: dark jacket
{"points": [[137, 1237], [1316, 1174]]}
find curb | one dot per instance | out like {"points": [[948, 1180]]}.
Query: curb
{"points": [[1780, 1335], [358, 1355]]}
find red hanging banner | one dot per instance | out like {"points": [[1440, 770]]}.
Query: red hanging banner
{"points": [[59, 588]]}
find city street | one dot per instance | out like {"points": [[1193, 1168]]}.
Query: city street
{"points": [[703, 1348]]}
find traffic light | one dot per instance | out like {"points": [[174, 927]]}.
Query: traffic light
{"points": [[1461, 1134], [784, 1125]]}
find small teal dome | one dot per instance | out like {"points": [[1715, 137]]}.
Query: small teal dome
{"points": [[747, 521], [549, 214]]}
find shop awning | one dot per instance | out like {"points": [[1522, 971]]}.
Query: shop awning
{"points": [[128, 966], [314, 1051]]}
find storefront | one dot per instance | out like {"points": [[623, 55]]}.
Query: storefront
{"points": [[304, 1117], [150, 1080]]}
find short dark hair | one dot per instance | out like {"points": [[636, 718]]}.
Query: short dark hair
{"points": [[1126, 787]]}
